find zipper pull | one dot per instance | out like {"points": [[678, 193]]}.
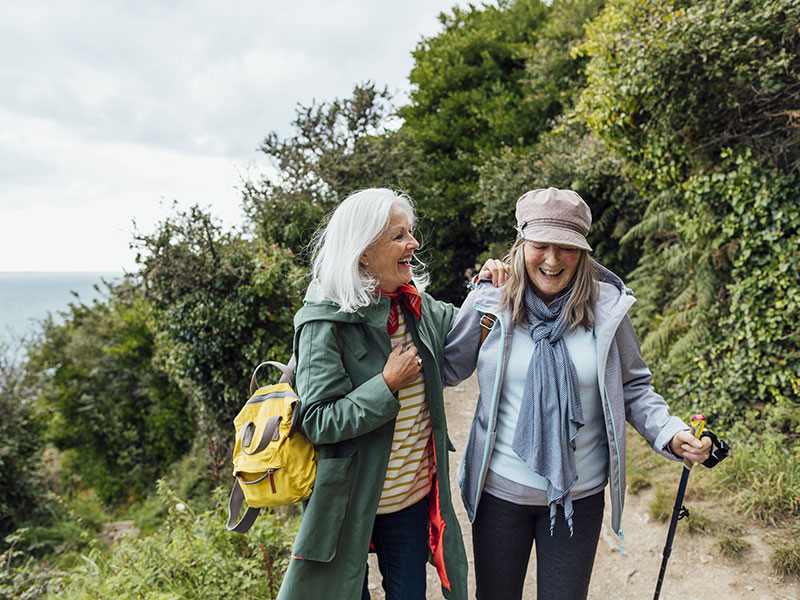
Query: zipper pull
{"points": [[272, 481]]}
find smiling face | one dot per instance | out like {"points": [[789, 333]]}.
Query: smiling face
{"points": [[389, 259], [550, 268]]}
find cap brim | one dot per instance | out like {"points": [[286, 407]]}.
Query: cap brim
{"points": [[561, 237]]}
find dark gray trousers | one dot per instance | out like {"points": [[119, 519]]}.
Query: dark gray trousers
{"points": [[502, 536]]}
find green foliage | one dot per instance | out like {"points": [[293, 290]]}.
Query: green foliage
{"points": [[222, 304], [22, 495], [728, 333], [556, 72], [190, 556], [763, 479], [699, 99], [67, 526], [22, 579], [106, 400], [189, 479], [338, 148], [672, 83], [471, 98]]}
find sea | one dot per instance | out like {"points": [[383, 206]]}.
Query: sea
{"points": [[27, 297]]}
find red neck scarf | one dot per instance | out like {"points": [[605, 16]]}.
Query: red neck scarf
{"points": [[411, 299]]}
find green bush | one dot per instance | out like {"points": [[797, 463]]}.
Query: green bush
{"points": [[22, 494], [192, 555], [699, 99], [222, 304], [671, 84], [106, 400]]}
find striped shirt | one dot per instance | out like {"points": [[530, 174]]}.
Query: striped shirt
{"points": [[408, 474]]}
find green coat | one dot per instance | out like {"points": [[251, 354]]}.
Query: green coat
{"points": [[349, 413]]}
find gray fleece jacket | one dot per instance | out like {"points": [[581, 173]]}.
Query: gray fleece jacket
{"points": [[622, 376]]}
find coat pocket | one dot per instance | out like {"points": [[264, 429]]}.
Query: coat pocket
{"points": [[324, 514]]}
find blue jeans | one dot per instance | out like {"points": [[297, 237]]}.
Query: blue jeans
{"points": [[401, 543]]}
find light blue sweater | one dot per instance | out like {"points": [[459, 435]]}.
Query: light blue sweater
{"points": [[591, 451]]}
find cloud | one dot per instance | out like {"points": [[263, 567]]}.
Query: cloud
{"points": [[198, 77], [108, 108]]}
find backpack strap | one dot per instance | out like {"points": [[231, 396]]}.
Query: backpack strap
{"points": [[235, 502], [287, 369], [487, 322]]}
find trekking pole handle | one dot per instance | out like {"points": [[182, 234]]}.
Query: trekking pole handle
{"points": [[698, 423]]}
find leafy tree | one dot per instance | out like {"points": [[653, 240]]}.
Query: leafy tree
{"points": [[567, 156], [556, 73], [338, 148], [106, 401], [697, 98], [675, 82], [23, 493], [222, 304], [471, 99]]}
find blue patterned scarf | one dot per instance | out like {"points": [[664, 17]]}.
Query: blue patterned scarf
{"points": [[550, 413]]}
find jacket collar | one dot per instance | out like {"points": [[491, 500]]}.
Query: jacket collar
{"points": [[317, 308]]}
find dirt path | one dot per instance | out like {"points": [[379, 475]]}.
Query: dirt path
{"points": [[696, 570]]}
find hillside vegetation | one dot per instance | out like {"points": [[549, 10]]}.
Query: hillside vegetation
{"points": [[677, 121]]}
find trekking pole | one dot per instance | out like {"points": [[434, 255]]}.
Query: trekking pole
{"points": [[678, 511]]}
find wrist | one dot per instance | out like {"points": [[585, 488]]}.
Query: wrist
{"points": [[390, 384]]}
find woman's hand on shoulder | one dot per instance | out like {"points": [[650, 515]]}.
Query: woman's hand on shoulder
{"points": [[402, 367], [497, 270], [685, 445]]}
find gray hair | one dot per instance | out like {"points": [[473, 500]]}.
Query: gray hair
{"points": [[354, 226], [579, 306]]}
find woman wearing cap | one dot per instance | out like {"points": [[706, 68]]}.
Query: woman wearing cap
{"points": [[369, 345], [559, 373]]}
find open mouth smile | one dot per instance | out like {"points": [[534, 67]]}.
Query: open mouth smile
{"points": [[548, 273]]}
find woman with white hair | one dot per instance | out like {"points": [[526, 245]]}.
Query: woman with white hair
{"points": [[559, 374], [369, 344]]}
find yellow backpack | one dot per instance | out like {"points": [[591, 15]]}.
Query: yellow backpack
{"points": [[273, 462]]}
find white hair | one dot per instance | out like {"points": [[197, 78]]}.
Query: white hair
{"points": [[354, 226]]}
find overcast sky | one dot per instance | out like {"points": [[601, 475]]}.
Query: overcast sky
{"points": [[110, 110]]}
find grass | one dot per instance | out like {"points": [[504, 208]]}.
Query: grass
{"points": [[764, 480], [661, 505], [637, 480], [732, 546], [786, 560], [759, 482], [700, 521]]}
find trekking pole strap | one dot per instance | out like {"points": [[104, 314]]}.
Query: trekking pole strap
{"points": [[720, 450]]}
